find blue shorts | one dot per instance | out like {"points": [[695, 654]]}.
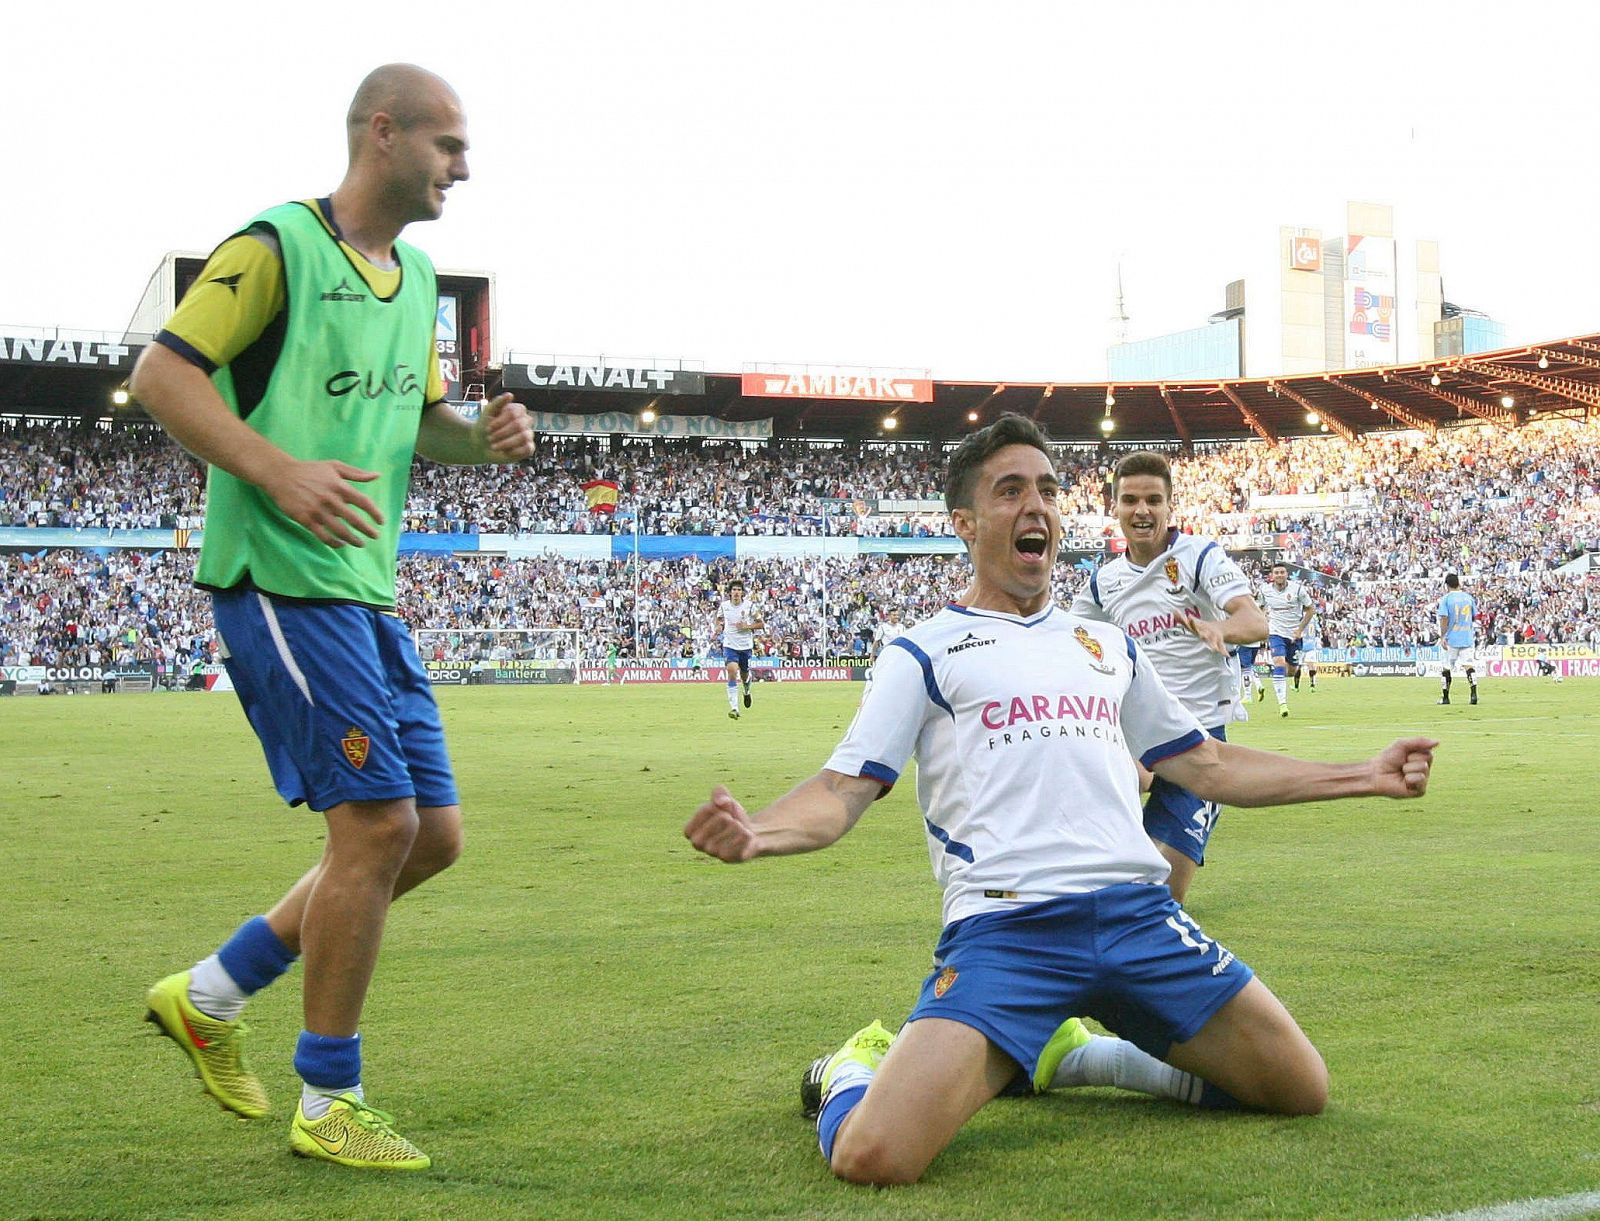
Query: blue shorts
{"points": [[1127, 956], [339, 699], [1247, 656], [1178, 818], [1282, 646], [736, 657]]}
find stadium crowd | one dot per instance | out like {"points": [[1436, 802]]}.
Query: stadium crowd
{"points": [[1505, 509]]}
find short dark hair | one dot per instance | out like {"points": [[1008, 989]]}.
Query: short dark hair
{"points": [[1279, 564], [734, 584], [1451, 581], [962, 472], [1144, 462]]}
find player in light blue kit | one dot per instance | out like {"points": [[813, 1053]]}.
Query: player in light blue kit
{"points": [[1025, 721], [1457, 635]]}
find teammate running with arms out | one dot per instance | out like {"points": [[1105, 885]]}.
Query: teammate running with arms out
{"points": [[1185, 604], [1457, 634], [302, 368], [1289, 609], [739, 624], [1025, 722]]}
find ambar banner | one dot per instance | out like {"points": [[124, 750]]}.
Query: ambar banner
{"points": [[603, 377], [880, 388], [662, 426]]}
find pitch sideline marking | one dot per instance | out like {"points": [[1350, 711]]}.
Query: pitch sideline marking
{"points": [[1548, 1208]]}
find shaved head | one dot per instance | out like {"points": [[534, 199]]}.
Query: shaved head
{"points": [[409, 95]]}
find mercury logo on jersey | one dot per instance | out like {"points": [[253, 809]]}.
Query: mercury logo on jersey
{"points": [[969, 641], [343, 292]]}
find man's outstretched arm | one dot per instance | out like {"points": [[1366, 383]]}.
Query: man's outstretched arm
{"points": [[815, 813], [1239, 776]]}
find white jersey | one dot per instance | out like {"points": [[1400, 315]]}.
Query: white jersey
{"points": [[1025, 732], [738, 625], [1285, 607], [1192, 578]]}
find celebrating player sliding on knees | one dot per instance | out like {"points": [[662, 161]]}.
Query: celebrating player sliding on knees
{"points": [[1025, 722]]}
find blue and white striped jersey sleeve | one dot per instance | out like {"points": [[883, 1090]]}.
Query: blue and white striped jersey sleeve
{"points": [[884, 733], [1155, 725]]}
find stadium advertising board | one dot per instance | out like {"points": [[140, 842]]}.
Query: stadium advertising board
{"points": [[716, 674], [1389, 669], [73, 353], [860, 384], [662, 426], [510, 671], [1522, 667], [603, 377], [1369, 302], [1530, 652], [51, 674]]}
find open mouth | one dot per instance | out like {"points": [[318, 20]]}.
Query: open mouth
{"points": [[1033, 543]]}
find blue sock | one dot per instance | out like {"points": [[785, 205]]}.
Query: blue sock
{"points": [[839, 1104], [254, 956], [328, 1062], [1213, 1099]]}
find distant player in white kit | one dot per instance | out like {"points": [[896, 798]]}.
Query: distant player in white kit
{"points": [[739, 623], [1289, 609], [1184, 603], [1025, 722], [887, 629]]}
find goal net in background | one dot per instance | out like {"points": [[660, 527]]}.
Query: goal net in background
{"points": [[536, 655]]}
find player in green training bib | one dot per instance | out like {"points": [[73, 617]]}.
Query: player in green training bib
{"points": [[302, 367]]}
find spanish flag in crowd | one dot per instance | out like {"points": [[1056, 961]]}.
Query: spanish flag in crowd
{"points": [[602, 495]]}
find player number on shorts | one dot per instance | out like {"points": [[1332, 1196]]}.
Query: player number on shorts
{"points": [[1203, 945]]}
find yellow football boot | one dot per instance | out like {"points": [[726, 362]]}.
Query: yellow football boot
{"points": [[354, 1134], [216, 1047]]}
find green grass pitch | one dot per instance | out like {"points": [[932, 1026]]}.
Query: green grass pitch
{"points": [[584, 1019]]}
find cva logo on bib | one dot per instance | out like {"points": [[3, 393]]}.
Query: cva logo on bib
{"points": [[400, 382]]}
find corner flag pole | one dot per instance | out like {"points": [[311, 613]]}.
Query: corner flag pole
{"points": [[636, 648], [827, 510]]}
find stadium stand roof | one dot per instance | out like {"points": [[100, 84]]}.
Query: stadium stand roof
{"points": [[74, 374], [1560, 377]]}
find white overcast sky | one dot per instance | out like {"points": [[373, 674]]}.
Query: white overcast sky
{"points": [[937, 184]]}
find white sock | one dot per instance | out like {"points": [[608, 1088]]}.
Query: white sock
{"points": [[314, 1102], [213, 992], [733, 696], [1280, 688], [1109, 1061]]}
